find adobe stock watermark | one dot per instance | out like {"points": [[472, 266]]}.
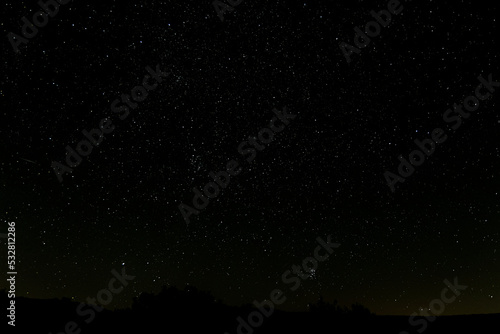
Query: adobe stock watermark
{"points": [[436, 306], [96, 136], [372, 29], [221, 8], [246, 148], [255, 318], [11, 265], [104, 297], [40, 19], [438, 136]]}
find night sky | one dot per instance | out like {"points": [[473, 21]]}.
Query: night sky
{"points": [[323, 174]]}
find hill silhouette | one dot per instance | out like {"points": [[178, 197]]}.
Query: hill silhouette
{"points": [[173, 310]]}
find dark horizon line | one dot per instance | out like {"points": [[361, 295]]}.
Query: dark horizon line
{"points": [[248, 304]]}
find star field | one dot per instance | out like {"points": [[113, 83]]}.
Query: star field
{"points": [[322, 175]]}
